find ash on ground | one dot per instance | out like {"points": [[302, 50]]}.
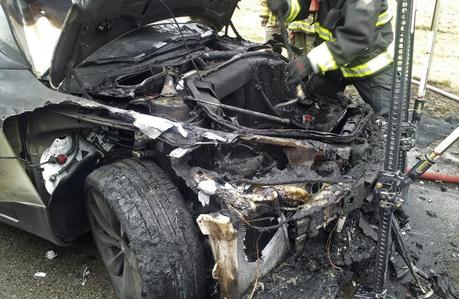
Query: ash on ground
{"points": [[337, 270]]}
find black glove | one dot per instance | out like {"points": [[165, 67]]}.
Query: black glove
{"points": [[298, 69], [278, 7]]}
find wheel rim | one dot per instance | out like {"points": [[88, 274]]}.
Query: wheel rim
{"points": [[114, 247]]}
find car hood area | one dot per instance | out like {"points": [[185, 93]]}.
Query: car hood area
{"points": [[92, 24], [67, 32]]}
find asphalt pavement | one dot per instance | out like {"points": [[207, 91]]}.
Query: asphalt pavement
{"points": [[23, 255]]}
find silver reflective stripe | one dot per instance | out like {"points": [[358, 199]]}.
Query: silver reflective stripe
{"points": [[369, 68]]}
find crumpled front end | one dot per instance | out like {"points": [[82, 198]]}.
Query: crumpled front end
{"points": [[257, 211]]}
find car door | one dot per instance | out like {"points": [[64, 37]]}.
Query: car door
{"points": [[16, 187]]}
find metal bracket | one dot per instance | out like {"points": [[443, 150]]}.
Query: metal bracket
{"points": [[408, 136], [389, 187], [302, 228]]}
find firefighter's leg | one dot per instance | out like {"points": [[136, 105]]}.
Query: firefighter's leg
{"points": [[302, 40], [376, 90], [298, 40]]}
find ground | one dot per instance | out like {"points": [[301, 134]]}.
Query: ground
{"points": [[432, 240], [433, 208], [23, 255]]}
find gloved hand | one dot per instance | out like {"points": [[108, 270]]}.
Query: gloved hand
{"points": [[298, 69], [278, 7]]}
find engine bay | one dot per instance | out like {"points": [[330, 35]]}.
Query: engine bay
{"points": [[188, 81], [229, 85]]}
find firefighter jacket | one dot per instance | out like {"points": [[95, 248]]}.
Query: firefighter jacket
{"points": [[266, 13], [354, 35], [304, 26]]}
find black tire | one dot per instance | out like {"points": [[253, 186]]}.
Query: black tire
{"points": [[146, 237]]}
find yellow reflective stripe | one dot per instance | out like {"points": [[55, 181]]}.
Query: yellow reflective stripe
{"points": [[327, 35], [369, 68], [264, 12], [294, 10], [321, 57], [303, 26], [324, 33], [264, 9], [384, 18], [272, 20]]}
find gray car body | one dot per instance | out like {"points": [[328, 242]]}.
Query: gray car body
{"points": [[21, 204]]}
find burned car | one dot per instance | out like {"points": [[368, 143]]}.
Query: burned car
{"points": [[178, 146]]}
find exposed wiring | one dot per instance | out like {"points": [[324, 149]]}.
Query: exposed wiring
{"points": [[183, 37], [288, 103], [328, 245], [73, 150], [266, 100], [264, 228], [28, 162], [257, 278], [299, 180], [286, 221], [51, 160]]}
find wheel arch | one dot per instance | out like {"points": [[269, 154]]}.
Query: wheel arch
{"points": [[67, 214], [60, 217]]}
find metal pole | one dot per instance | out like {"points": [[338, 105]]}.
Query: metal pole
{"points": [[394, 156], [284, 121], [433, 39], [440, 91], [420, 98]]}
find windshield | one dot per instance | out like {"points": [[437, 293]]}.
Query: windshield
{"points": [[7, 43], [37, 25]]}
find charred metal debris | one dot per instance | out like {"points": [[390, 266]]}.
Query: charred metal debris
{"points": [[263, 172]]}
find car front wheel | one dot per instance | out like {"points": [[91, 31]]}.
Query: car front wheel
{"points": [[146, 237]]}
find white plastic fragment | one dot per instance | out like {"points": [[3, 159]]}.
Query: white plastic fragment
{"points": [[203, 198], [50, 255], [180, 152], [341, 222], [40, 274], [228, 187], [209, 187], [213, 136], [84, 276], [150, 125], [182, 130]]}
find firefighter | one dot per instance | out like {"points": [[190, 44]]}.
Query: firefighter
{"points": [[302, 34], [354, 36], [268, 21]]}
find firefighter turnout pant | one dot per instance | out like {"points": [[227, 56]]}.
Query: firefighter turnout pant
{"points": [[375, 90]]}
